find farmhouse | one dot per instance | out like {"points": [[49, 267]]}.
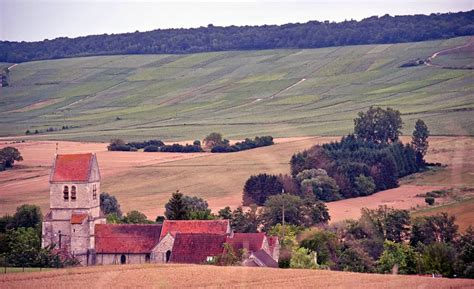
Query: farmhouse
{"points": [[76, 226]]}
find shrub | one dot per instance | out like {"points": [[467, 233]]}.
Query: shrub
{"points": [[430, 201], [119, 145], [151, 148]]}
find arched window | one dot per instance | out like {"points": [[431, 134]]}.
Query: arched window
{"points": [[66, 193], [73, 193], [168, 256], [123, 259], [94, 192]]}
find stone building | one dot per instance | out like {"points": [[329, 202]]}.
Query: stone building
{"points": [[74, 206], [76, 227]]}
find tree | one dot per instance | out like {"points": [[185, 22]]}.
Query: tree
{"points": [[388, 223], [245, 222], [27, 216], [175, 209], [303, 259], [439, 258], [398, 258], [8, 156], [109, 204], [438, 228], [323, 187], [23, 246], [364, 186], [355, 259], [419, 139], [215, 139], [378, 125], [465, 251], [135, 217], [287, 235], [181, 207], [297, 211], [258, 188], [288, 204], [326, 245], [225, 213], [113, 218]]}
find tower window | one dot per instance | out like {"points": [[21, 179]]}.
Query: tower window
{"points": [[66, 193], [94, 192], [73, 193]]}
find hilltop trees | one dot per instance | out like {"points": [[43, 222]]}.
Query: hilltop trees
{"points": [[378, 125], [360, 164], [313, 34]]}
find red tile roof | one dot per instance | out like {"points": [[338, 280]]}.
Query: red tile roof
{"points": [[74, 167], [250, 241], [219, 227], [195, 248], [78, 218], [126, 238]]}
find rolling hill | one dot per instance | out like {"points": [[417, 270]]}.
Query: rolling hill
{"points": [[296, 92]]}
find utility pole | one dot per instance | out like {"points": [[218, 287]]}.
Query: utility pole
{"points": [[283, 218]]}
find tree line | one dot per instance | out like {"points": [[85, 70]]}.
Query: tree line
{"points": [[313, 34], [214, 143]]}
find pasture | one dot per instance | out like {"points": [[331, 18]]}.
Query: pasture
{"points": [[191, 276], [284, 93]]}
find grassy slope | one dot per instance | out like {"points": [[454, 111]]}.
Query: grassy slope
{"points": [[237, 93], [192, 276]]}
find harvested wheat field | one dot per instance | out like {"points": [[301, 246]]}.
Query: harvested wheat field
{"points": [[145, 181], [200, 276]]}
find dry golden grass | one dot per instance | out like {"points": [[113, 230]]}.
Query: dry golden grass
{"points": [[145, 181], [200, 276]]}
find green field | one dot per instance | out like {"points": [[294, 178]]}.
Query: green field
{"points": [[177, 97]]}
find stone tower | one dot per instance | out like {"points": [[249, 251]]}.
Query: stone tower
{"points": [[74, 206]]}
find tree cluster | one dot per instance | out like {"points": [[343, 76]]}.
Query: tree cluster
{"points": [[363, 163], [20, 241], [247, 144], [313, 34], [386, 240]]}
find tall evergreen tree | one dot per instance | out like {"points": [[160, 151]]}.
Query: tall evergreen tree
{"points": [[176, 207]]}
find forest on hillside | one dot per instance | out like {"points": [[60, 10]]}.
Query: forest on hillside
{"points": [[313, 34]]}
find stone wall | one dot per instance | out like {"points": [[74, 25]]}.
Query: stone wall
{"points": [[108, 259], [158, 254]]}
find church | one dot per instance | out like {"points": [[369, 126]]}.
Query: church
{"points": [[76, 226]]}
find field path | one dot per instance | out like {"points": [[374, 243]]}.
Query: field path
{"points": [[429, 60], [403, 197]]}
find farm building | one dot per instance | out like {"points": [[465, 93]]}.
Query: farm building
{"points": [[77, 227]]}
